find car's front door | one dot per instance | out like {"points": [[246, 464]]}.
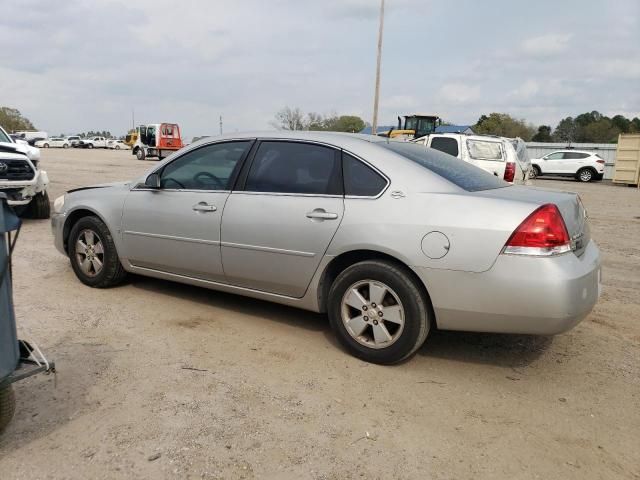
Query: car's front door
{"points": [[278, 225], [176, 228], [552, 163]]}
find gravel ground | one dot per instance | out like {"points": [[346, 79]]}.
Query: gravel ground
{"points": [[160, 380]]}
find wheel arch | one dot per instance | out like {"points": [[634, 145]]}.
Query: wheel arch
{"points": [[72, 219], [346, 259]]}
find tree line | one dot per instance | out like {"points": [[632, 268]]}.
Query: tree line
{"points": [[590, 127], [294, 119]]}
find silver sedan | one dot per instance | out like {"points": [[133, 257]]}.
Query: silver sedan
{"points": [[391, 239]]}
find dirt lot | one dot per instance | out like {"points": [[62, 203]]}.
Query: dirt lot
{"points": [[219, 386]]}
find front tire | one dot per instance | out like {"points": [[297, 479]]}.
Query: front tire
{"points": [[93, 254], [39, 207], [90, 145], [64, 145], [7, 406], [378, 312], [46, 145], [117, 147], [140, 154], [585, 175]]}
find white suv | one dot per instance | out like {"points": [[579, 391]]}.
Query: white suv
{"points": [[582, 165], [495, 155]]}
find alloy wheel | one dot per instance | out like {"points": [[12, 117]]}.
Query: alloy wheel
{"points": [[372, 314], [586, 175], [89, 252]]}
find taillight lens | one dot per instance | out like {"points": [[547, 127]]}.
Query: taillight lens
{"points": [[600, 161], [542, 233], [510, 172]]}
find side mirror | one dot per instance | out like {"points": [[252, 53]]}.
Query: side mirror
{"points": [[153, 181]]}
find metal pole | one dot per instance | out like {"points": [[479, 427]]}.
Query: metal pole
{"points": [[220, 124], [374, 124]]}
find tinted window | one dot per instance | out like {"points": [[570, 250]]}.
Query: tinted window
{"points": [[359, 179], [294, 167], [206, 168], [554, 156], [446, 145], [483, 150], [458, 172]]}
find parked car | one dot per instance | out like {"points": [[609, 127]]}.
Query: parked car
{"points": [[495, 155], [54, 142], [93, 142], [390, 238], [32, 136], [73, 140], [21, 179], [117, 145], [584, 166]]}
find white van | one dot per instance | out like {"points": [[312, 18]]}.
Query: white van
{"points": [[495, 155]]}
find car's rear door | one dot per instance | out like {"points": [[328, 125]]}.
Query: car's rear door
{"points": [[277, 226], [176, 229]]}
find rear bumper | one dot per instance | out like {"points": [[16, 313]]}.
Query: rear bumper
{"points": [[519, 294]]}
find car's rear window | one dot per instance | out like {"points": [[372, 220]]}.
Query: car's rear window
{"points": [[458, 172], [483, 150]]}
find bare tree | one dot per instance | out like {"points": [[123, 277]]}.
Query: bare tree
{"points": [[289, 119]]}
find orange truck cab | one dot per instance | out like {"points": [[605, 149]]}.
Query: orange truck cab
{"points": [[157, 140]]}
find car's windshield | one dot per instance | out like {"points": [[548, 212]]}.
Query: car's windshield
{"points": [[458, 172], [4, 137]]}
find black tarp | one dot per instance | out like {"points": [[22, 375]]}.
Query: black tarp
{"points": [[9, 352]]}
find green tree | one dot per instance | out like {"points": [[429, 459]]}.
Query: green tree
{"points": [[622, 123], [504, 125], [565, 131], [600, 131], [635, 125], [12, 120], [344, 123], [543, 135]]}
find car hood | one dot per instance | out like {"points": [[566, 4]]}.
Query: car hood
{"points": [[12, 150], [31, 152]]}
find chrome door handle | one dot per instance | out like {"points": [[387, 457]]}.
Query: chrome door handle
{"points": [[204, 207], [321, 214]]}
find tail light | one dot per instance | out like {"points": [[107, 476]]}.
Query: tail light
{"points": [[600, 161], [542, 233], [510, 172]]}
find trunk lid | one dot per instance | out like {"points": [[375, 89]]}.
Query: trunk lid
{"points": [[569, 204]]}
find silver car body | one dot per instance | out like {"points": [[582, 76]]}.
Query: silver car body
{"points": [[265, 245]]}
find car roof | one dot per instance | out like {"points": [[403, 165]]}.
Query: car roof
{"points": [[571, 150]]}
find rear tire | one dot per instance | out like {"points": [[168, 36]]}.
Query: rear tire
{"points": [[585, 175], [64, 145], [535, 172], [356, 328], [7, 406], [99, 266], [46, 145], [117, 147]]}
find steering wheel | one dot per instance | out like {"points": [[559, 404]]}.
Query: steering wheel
{"points": [[199, 177], [167, 180]]}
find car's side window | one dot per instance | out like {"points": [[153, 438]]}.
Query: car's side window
{"points": [[554, 156], [295, 167], [446, 145], [206, 168], [359, 179]]}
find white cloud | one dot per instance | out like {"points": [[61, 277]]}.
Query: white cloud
{"points": [[459, 93], [547, 45]]}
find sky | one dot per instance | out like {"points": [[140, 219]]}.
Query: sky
{"points": [[73, 66]]}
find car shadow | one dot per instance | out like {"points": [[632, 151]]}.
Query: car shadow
{"points": [[235, 303], [485, 348], [504, 350]]}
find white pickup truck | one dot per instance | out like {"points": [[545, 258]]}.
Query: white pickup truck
{"points": [[21, 179], [93, 142]]}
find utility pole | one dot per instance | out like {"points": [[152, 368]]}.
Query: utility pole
{"points": [[220, 124], [374, 124], [133, 118]]}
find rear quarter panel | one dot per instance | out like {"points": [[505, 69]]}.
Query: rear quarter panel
{"points": [[477, 228]]}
